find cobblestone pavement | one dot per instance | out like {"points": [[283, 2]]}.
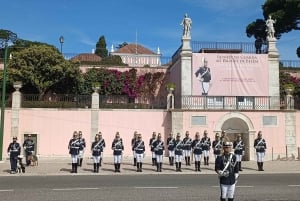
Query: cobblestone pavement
{"points": [[62, 166]]}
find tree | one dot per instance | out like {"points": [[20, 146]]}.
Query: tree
{"points": [[286, 13], [101, 47], [298, 51], [5, 37], [122, 45], [45, 69]]}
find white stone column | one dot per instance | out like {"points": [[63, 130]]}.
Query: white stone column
{"points": [[273, 63], [95, 114], [290, 134], [15, 109], [177, 123]]}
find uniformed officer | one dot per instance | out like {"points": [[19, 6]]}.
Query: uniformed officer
{"points": [[187, 142], [118, 147], [224, 137], [74, 145], [239, 150], [81, 148], [152, 140], [197, 146], [171, 148], [13, 150], [102, 147], [206, 144], [260, 145], [28, 146], [139, 148], [96, 152], [228, 172], [158, 147], [217, 145], [178, 152], [133, 140]]}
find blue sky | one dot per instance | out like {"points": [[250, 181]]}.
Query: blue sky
{"points": [[156, 22]]}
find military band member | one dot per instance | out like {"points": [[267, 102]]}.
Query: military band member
{"points": [[187, 142], [97, 148], [118, 147], [102, 147], [28, 146], [206, 144], [13, 150], [74, 145], [197, 147], [178, 152], [81, 148], [133, 140], [260, 145], [239, 149], [152, 140], [224, 137], [228, 172], [159, 148], [171, 148], [139, 148], [217, 146]]}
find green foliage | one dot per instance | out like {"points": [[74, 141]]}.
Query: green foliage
{"points": [[112, 60], [101, 47], [286, 80], [298, 51]]}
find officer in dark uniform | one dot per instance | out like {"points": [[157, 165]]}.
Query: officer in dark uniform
{"points": [[96, 153], [224, 137], [239, 150], [158, 147], [187, 142], [171, 148], [197, 147], [204, 76], [260, 145], [102, 147], [178, 152], [228, 172], [206, 144], [13, 150], [118, 147], [133, 140], [81, 148], [152, 140], [139, 148], [74, 145], [28, 146], [217, 145]]}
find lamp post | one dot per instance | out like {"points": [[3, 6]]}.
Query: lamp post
{"points": [[61, 40], [3, 100]]}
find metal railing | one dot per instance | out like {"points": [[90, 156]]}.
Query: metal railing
{"points": [[231, 102], [290, 63]]}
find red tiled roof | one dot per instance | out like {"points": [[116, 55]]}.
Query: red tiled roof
{"points": [[133, 49], [87, 57]]}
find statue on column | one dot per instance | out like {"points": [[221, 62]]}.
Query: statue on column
{"points": [[270, 27], [187, 25]]}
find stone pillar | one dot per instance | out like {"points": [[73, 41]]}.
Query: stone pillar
{"points": [[177, 123], [290, 134], [273, 63], [95, 114], [186, 67], [15, 109]]}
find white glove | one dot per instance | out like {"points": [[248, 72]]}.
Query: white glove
{"points": [[236, 175], [220, 173], [8, 153]]}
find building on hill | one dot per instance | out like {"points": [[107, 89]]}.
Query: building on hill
{"points": [[136, 55], [86, 58]]}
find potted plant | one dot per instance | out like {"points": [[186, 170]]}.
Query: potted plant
{"points": [[170, 86], [289, 88], [96, 86]]}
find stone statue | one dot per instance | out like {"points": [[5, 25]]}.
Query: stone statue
{"points": [[270, 27], [187, 25]]}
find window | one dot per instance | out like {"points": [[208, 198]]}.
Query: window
{"points": [[198, 120]]}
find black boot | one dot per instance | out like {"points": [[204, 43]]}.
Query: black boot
{"points": [[258, 166], [95, 166], [222, 199], [262, 166], [100, 164], [172, 160], [73, 168], [116, 167], [141, 167], [207, 160], [189, 160], [196, 166], [119, 167], [76, 164], [240, 166], [155, 162], [186, 161], [230, 199], [134, 161], [204, 158], [179, 167], [80, 162], [157, 167], [160, 166], [199, 163], [176, 164]]}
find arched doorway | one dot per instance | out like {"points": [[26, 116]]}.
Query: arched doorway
{"points": [[237, 123]]}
